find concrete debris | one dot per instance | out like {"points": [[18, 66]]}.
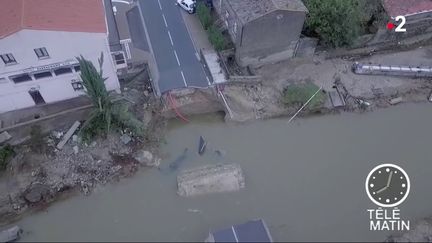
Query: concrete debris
{"points": [[125, 139], [396, 101], [93, 144], [4, 136], [76, 149], [68, 135], [36, 193], [210, 179], [420, 232], [11, 234], [146, 158], [57, 135]]}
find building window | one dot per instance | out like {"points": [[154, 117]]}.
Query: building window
{"points": [[77, 85], [119, 58], [41, 53], [77, 68], [63, 70], [42, 75], [8, 58], [21, 78]]}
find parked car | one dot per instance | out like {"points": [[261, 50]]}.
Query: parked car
{"points": [[188, 5]]}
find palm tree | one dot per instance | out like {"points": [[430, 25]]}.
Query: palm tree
{"points": [[105, 112]]}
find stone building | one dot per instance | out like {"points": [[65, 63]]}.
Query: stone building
{"points": [[263, 31]]}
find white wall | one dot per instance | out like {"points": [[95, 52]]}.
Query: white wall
{"points": [[61, 47]]}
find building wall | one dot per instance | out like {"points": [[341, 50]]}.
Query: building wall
{"points": [[230, 19], [275, 34], [61, 47]]}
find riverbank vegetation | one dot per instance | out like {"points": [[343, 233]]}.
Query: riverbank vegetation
{"points": [[299, 94], [106, 113]]}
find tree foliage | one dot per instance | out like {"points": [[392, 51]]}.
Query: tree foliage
{"points": [[337, 22], [106, 113]]}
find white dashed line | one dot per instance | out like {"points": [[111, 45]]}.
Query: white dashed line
{"points": [[172, 43], [160, 5], [178, 61], [184, 80], [166, 24]]}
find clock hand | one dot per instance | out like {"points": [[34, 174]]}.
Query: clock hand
{"points": [[389, 179], [381, 190]]}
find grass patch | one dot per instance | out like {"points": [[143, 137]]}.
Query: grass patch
{"points": [[298, 94], [6, 152]]}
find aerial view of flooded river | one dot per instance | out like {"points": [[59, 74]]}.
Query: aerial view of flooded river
{"points": [[305, 179]]}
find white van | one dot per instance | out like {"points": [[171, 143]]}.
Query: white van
{"points": [[188, 5]]}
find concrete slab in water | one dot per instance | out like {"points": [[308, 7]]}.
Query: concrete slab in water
{"points": [[210, 179]]}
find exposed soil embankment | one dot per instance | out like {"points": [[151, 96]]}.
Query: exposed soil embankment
{"points": [[33, 180]]}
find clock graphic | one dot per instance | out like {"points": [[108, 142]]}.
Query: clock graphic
{"points": [[387, 185]]}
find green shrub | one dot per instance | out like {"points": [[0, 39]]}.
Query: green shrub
{"points": [[123, 118], [298, 94], [204, 16], [5, 153], [337, 22], [216, 38]]}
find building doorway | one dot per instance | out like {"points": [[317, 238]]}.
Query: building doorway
{"points": [[37, 97]]}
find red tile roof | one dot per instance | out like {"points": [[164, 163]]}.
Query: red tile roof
{"points": [[406, 7], [56, 15]]}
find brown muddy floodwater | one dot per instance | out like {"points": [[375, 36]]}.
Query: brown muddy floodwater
{"points": [[306, 180]]}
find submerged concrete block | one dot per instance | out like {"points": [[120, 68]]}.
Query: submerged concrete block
{"points": [[210, 179]]}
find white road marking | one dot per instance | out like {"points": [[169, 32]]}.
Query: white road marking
{"points": [[208, 80], [184, 80], [166, 24], [178, 61], [160, 5], [169, 34]]}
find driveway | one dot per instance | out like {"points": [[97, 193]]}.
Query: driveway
{"points": [[169, 40]]}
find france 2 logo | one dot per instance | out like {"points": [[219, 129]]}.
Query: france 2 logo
{"points": [[400, 26]]}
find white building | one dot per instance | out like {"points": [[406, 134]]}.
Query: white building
{"points": [[39, 43]]}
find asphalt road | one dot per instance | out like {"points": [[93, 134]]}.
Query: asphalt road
{"points": [[172, 46]]}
